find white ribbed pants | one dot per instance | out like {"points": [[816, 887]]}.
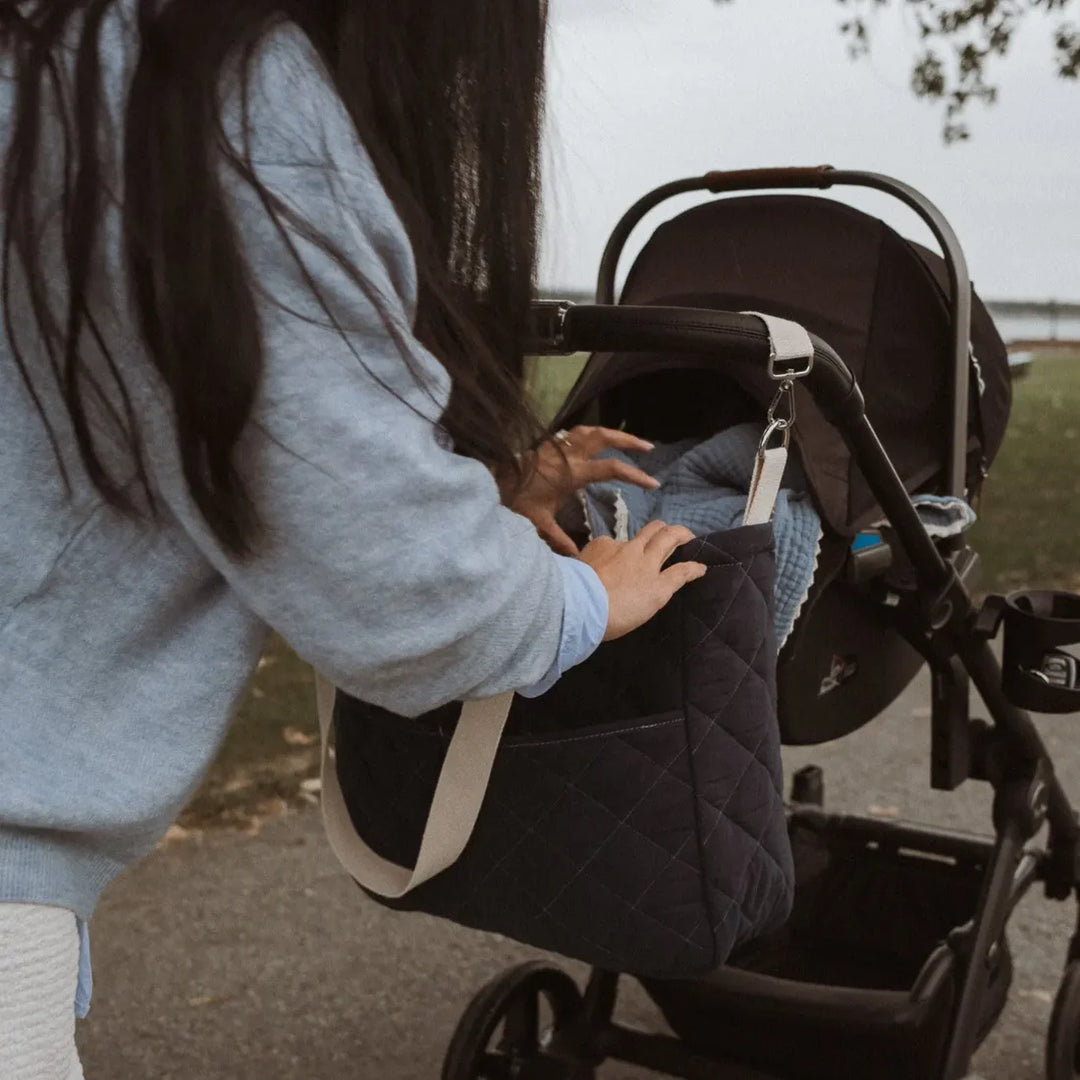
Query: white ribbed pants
{"points": [[39, 970]]}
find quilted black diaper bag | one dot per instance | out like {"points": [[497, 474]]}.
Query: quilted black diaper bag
{"points": [[632, 817]]}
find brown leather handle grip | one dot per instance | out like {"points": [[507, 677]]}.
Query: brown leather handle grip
{"points": [[817, 176]]}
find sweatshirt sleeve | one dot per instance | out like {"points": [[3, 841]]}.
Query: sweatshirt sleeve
{"points": [[389, 562], [585, 616]]}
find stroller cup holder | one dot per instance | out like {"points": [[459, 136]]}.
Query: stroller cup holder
{"points": [[1038, 673]]}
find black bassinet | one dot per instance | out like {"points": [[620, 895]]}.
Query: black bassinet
{"points": [[883, 302]]}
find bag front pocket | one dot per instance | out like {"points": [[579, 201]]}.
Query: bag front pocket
{"points": [[587, 843]]}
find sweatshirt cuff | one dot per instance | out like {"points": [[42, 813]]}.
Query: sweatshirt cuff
{"points": [[585, 616]]}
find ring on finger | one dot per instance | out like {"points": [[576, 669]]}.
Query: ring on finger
{"points": [[563, 436]]}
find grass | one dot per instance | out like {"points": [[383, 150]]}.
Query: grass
{"points": [[550, 378], [270, 750], [1027, 535]]}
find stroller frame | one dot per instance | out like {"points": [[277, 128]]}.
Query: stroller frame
{"points": [[939, 618]]}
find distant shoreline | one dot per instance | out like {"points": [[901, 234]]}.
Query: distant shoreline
{"points": [[1046, 309], [1066, 345]]}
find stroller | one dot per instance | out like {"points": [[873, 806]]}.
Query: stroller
{"points": [[895, 963]]}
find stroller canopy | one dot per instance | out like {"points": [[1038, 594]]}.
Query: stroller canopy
{"points": [[879, 300]]}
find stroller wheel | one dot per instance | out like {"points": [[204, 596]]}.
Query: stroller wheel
{"points": [[524, 1025], [1063, 1039]]}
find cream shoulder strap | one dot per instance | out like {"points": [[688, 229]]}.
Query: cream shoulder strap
{"points": [[455, 805]]}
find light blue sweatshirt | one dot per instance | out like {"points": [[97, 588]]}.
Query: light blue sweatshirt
{"points": [[389, 562]]}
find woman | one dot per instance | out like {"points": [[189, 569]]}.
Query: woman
{"points": [[265, 283]]}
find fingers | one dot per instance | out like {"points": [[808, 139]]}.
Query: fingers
{"points": [[594, 440], [550, 530], [662, 542], [648, 531], [574, 464], [675, 577], [590, 472]]}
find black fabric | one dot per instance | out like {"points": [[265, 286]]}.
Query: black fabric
{"points": [[859, 983], [877, 299], [907, 372], [840, 624], [678, 403], [991, 407], [634, 818]]}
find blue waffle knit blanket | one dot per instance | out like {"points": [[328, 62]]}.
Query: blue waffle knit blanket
{"points": [[704, 486]]}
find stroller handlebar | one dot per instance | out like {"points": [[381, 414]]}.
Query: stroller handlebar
{"points": [[734, 340], [729, 337]]}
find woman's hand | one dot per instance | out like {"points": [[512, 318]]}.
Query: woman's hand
{"points": [[633, 573], [563, 465]]}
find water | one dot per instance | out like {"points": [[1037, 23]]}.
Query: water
{"points": [[1037, 327]]}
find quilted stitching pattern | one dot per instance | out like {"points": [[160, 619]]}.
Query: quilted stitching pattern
{"points": [[635, 816]]}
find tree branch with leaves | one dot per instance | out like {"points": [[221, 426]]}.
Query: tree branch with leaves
{"points": [[959, 41]]}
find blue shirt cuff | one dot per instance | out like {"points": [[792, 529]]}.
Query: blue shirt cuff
{"points": [[585, 616], [85, 986]]}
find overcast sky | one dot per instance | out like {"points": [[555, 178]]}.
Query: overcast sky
{"points": [[645, 91]]}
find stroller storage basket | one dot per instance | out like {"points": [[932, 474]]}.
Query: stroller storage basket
{"points": [[861, 982]]}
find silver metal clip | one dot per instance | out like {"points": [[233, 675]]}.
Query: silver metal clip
{"points": [[778, 423]]}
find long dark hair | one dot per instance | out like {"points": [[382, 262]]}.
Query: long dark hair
{"points": [[446, 97]]}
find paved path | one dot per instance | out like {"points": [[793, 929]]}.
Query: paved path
{"points": [[253, 958]]}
